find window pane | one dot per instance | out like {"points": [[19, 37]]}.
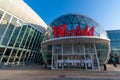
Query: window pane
{"points": [[9, 31], [29, 38], [32, 40], [21, 36], [25, 37], [15, 34], [7, 53], [4, 24]]}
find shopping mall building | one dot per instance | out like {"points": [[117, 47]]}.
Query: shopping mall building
{"points": [[76, 41], [20, 33], [71, 41]]}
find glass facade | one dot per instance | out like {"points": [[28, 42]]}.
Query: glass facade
{"points": [[76, 52], [114, 36], [19, 41], [74, 20]]}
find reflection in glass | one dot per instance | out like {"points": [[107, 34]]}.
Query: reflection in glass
{"points": [[4, 24], [9, 31], [21, 35], [15, 34]]}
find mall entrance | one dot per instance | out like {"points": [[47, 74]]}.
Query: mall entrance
{"points": [[75, 56]]}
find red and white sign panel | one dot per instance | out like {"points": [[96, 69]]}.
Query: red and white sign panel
{"points": [[61, 31]]}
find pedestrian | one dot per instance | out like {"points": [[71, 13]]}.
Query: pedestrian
{"points": [[45, 65], [114, 61], [105, 67]]}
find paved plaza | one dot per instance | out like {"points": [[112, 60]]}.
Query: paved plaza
{"points": [[37, 72]]}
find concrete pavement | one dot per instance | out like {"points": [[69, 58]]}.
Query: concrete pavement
{"points": [[37, 72]]}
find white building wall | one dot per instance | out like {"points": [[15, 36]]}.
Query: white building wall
{"points": [[20, 9]]}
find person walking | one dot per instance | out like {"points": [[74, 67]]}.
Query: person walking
{"points": [[105, 67], [114, 61]]}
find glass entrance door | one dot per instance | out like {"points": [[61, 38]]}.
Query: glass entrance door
{"points": [[85, 58], [85, 61]]}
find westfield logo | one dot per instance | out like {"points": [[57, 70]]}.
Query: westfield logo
{"points": [[61, 31]]}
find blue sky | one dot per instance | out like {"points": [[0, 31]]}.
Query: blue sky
{"points": [[105, 12]]}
